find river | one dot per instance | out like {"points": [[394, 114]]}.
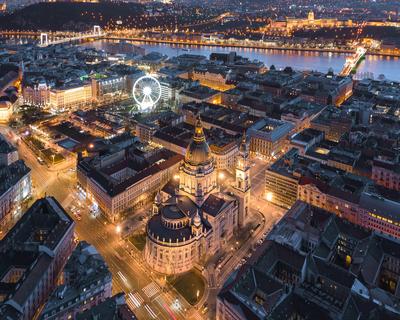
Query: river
{"points": [[372, 65]]}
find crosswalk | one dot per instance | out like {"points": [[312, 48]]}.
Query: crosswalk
{"points": [[134, 300], [150, 311], [151, 289], [197, 316]]}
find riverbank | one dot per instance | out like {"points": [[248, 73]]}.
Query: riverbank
{"points": [[243, 46], [33, 34]]}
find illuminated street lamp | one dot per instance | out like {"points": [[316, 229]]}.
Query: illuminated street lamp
{"points": [[270, 196], [118, 229]]}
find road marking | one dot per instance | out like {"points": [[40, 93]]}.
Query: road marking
{"points": [[150, 311], [124, 279], [130, 305], [151, 289], [136, 299], [197, 316]]}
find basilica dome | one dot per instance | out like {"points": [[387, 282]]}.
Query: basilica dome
{"points": [[198, 152]]}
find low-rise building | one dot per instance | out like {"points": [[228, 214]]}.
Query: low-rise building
{"points": [[8, 153], [112, 308], [15, 184], [282, 179], [200, 94], [325, 89], [15, 187], [148, 125], [71, 96], [86, 282], [300, 113], [213, 76], [333, 121], [268, 137], [33, 254], [121, 179], [306, 139], [386, 170], [315, 265], [351, 197], [224, 146], [217, 116], [278, 82]]}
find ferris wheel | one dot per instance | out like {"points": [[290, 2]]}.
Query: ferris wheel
{"points": [[146, 92]]}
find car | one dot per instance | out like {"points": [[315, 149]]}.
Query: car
{"points": [[40, 160]]}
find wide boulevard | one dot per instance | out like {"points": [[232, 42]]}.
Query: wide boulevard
{"points": [[146, 293]]}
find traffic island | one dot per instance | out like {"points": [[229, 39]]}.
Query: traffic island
{"points": [[189, 285]]}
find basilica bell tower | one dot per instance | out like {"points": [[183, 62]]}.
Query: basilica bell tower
{"points": [[242, 182]]}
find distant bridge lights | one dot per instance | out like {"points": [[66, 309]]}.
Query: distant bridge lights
{"points": [[44, 39]]}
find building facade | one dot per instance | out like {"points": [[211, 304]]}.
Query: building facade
{"points": [[33, 254], [86, 283], [120, 180], [15, 185]]}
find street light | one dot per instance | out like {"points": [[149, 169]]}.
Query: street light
{"points": [[118, 229]]}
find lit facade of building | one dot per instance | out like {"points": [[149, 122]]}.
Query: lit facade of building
{"points": [[6, 111], [315, 265], [363, 207], [36, 94], [121, 180], [86, 282], [215, 79], [268, 137], [288, 26], [198, 219], [15, 184], [386, 172], [70, 98]]}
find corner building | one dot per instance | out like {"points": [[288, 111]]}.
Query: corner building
{"points": [[198, 218]]}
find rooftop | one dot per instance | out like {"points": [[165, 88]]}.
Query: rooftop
{"points": [[11, 174], [85, 267], [31, 246]]}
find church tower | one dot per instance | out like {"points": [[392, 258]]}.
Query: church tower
{"points": [[242, 182], [157, 203]]}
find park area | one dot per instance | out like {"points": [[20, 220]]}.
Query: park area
{"points": [[190, 285], [138, 240]]}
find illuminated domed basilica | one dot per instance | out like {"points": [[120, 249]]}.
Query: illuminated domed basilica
{"points": [[197, 219]]}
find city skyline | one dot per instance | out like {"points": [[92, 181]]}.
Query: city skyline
{"points": [[199, 160]]}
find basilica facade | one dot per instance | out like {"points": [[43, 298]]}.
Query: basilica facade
{"points": [[194, 221]]}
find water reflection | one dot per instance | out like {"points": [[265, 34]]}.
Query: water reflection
{"points": [[301, 60]]}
